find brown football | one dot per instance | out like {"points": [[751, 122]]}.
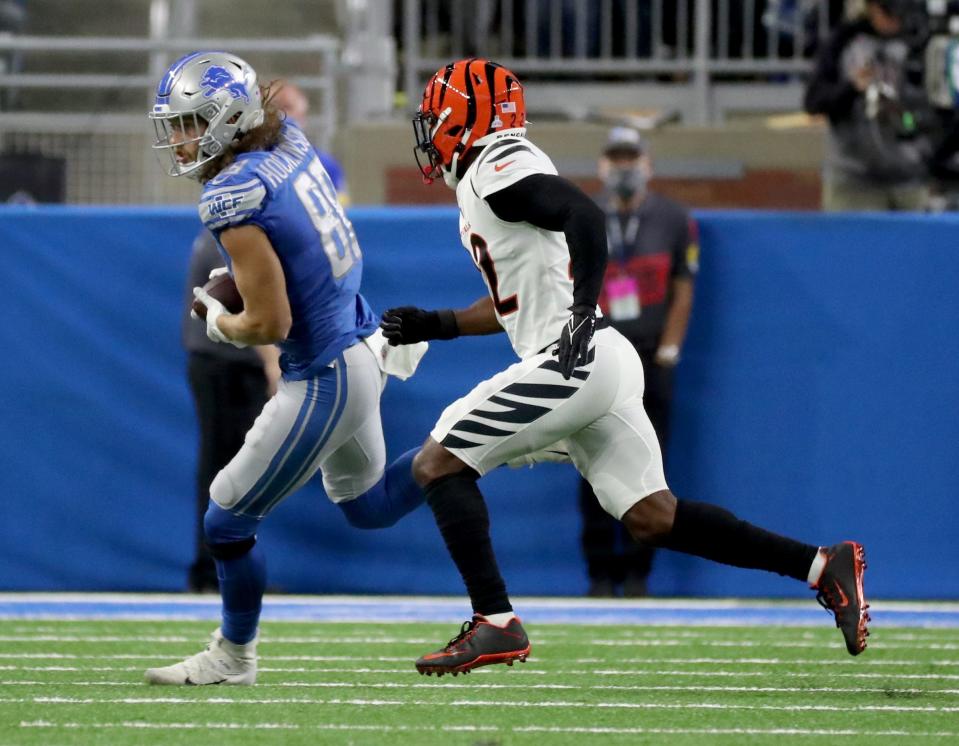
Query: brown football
{"points": [[223, 289]]}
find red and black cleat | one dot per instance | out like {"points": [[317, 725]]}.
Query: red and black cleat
{"points": [[840, 591], [478, 643]]}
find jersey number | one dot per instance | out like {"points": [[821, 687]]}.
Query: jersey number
{"points": [[485, 262], [316, 192]]}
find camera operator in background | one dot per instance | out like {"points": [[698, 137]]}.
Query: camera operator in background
{"points": [[878, 145]]}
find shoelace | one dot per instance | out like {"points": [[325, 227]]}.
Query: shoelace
{"points": [[466, 631], [826, 599]]}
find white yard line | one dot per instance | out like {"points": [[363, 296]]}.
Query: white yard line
{"points": [[779, 643], [178, 631], [471, 703], [886, 676], [154, 656], [140, 725], [605, 642], [735, 731], [733, 674], [465, 683], [857, 662]]}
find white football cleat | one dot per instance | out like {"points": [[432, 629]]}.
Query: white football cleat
{"points": [[223, 662]]}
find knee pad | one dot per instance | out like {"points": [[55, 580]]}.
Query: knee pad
{"points": [[222, 490], [232, 549], [220, 527]]}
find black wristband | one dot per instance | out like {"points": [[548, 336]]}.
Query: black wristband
{"points": [[448, 328]]}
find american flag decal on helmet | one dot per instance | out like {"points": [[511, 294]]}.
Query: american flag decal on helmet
{"points": [[508, 107]]}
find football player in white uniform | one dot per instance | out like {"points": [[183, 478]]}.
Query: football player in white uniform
{"points": [[540, 244]]}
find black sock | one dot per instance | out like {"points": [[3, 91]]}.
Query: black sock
{"points": [[714, 533], [461, 515]]}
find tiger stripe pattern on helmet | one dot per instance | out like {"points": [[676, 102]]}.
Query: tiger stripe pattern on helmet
{"points": [[462, 102]]}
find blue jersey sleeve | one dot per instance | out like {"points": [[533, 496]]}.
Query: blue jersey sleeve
{"points": [[236, 196]]}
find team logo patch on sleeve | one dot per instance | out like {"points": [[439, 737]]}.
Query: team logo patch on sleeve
{"points": [[223, 206], [231, 205]]}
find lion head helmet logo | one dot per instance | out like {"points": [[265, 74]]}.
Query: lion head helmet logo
{"points": [[217, 78]]}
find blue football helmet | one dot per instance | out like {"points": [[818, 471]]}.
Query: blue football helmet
{"points": [[214, 95]]}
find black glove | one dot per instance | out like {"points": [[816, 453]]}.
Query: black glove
{"points": [[407, 325], [574, 341]]}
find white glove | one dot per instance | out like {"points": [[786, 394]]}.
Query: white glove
{"points": [[214, 310], [216, 272]]}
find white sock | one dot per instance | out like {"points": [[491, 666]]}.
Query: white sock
{"points": [[500, 620], [816, 568]]}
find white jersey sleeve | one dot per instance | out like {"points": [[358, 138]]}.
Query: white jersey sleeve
{"points": [[506, 162], [526, 269]]}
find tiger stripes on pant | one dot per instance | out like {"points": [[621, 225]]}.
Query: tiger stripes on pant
{"points": [[598, 414]]}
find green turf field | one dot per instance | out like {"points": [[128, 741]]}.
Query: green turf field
{"points": [[79, 682]]}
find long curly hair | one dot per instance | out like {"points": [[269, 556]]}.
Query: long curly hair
{"points": [[262, 137]]}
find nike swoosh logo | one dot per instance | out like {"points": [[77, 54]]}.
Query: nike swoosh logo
{"points": [[435, 656], [500, 166], [842, 595]]}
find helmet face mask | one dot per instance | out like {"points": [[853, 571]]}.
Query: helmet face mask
{"points": [[462, 103], [176, 134], [428, 159], [208, 99]]}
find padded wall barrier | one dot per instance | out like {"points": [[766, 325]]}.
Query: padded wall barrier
{"points": [[818, 396]]}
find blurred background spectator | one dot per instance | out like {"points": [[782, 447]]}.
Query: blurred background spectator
{"points": [[230, 386], [648, 296], [13, 17], [875, 158], [293, 102]]}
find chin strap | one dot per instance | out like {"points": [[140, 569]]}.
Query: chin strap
{"points": [[450, 175]]}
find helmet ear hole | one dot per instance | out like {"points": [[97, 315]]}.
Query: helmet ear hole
{"points": [[455, 130]]}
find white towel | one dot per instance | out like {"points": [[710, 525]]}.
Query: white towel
{"points": [[399, 361]]}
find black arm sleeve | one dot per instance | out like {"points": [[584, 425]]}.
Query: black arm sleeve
{"points": [[554, 204], [828, 91]]}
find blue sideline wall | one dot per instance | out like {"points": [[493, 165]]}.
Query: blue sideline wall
{"points": [[819, 396]]}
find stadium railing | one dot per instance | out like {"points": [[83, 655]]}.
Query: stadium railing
{"points": [[697, 59], [107, 147]]}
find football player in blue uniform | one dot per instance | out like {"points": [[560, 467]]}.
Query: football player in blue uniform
{"points": [[294, 257]]}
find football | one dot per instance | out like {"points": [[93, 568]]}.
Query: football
{"points": [[221, 288]]}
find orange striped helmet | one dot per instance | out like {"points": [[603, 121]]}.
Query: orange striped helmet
{"points": [[463, 102]]}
